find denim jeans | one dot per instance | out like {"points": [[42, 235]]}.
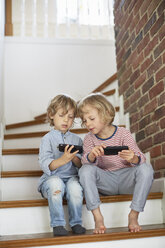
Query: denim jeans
{"points": [[54, 189], [135, 180]]}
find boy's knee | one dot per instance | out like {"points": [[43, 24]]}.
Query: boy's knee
{"points": [[146, 171], [54, 186], [86, 170]]}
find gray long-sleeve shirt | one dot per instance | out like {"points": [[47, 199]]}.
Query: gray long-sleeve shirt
{"points": [[49, 151]]}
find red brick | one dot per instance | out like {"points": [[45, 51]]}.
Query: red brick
{"points": [[134, 128], [160, 74], [162, 32], [134, 22], [157, 25], [159, 113], [160, 164], [143, 100], [150, 107], [130, 40], [162, 123], [126, 74], [137, 6], [163, 148], [150, 46], [135, 97], [144, 122], [144, 6], [159, 137], [161, 7], [159, 49], [132, 57], [154, 67], [161, 99], [153, 128], [138, 61], [140, 80], [156, 90], [123, 87], [155, 151], [152, 7], [164, 58], [134, 118], [144, 42], [148, 85], [145, 144], [134, 76], [146, 63], [150, 23], [141, 23]]}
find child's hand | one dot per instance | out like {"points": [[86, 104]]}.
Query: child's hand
{"points": [[68, 156], [96, 152], [129, 156]]}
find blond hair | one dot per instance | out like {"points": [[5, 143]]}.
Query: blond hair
{"points": [[99, 102], [60, 101]]}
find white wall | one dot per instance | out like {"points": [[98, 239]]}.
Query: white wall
{"points": [[1, 83], [1, 58], [36, 70]]}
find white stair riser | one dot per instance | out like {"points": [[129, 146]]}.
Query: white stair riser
{"points": [[129, 243], [20, 162], [20, 188], [36, 219], [26, 142]]}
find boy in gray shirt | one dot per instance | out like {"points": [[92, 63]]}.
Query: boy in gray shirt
{"points": [[60, 169]]}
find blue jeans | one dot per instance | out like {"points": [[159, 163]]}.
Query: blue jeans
{"points": [[54, 190]]}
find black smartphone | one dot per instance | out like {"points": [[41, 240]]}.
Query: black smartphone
{"points": [[61, 148], [113, 150]]}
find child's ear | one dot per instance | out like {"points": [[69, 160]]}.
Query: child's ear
{"points": [[51, 116]]}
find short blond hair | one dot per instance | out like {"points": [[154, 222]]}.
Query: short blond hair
{"points": [[99, 102], [60, 101]]}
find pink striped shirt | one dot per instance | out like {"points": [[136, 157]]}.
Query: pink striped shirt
{"points": [[121, 137]]}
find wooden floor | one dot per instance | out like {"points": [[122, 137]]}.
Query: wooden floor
{"points": [[45, 239]]}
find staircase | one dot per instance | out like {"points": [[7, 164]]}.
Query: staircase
{"points": [[24, 214]]}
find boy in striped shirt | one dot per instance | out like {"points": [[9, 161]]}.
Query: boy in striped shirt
{"points": [[124, 173]]}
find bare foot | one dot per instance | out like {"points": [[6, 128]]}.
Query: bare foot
{"points": [[99, 221], [133, 224], [99, 227]]}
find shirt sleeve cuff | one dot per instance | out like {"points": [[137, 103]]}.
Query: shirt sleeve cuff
{"points": [[139, 160], [89, 160]]}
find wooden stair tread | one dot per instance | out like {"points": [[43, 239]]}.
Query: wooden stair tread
{"points": [[20, 151], [32, 173], [104, 199], [45, 239], [24, 124], [39, 134], [42, 120]]}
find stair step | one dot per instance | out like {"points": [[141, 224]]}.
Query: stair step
{"points": [[24, 124], [20, 151], [104, 199], [8, 174], [39, 134], [41, 121], [35, 213], [112, 234]]}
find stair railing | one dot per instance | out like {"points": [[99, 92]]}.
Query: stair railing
{"points": [[65, 18]]}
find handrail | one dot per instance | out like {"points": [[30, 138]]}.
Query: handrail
{"points": [[98, 89], [106, 83], [8, 14]]}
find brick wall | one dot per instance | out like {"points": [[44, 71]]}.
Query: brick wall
{"points": [[140, 54]]}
